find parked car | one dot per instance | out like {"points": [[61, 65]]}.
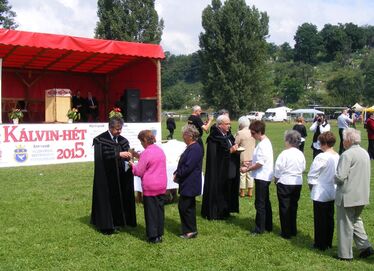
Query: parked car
{"points": [[255, 115]]}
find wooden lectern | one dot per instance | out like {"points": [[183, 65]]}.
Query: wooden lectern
{"points": [[57, 104]]}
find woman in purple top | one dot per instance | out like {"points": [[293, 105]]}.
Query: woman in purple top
{"points": [[188, 176], [151, 168]]}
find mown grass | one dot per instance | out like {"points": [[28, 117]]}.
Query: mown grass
{"points": [[44, 225]]}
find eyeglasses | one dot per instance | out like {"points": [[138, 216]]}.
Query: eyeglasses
{"points": [[226, 123]]}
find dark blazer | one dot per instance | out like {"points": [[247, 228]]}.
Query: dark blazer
{"points": [[189, 171]]}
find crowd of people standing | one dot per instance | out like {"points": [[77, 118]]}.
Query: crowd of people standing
{"points": [[236, 165]]}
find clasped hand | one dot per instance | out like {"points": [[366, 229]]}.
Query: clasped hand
{"points": [[234, 148], [245, 167], [125, 155]]}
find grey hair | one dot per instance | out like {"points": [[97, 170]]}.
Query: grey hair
{"points": [[221, 118], [293, 138], [195, 108], [352, 135], [243, 122], [113, 121], [223, 111], [191, 130]]}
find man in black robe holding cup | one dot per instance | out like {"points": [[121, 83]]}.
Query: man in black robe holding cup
{"points": [[113, 200]]}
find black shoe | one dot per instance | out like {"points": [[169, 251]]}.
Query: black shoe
{"points": [[189, 235], [366, 252], [107, 232], [343, 259], [155, 240], [285, 236]]}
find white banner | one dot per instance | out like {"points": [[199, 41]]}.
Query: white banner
{"points": [[43, 144]]}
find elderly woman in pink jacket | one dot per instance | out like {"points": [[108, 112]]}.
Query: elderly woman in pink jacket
{"points": [[151, 168]]}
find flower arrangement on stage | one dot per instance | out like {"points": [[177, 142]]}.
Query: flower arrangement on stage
{"points": [[15, 114], [73, 114], [116, 112]]}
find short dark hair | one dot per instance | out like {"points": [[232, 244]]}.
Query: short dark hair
{"points": [[327, 138], [258, 126], [147, 136]]}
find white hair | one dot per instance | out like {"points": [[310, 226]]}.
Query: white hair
{"points": [[352, 135], [243, 122], [196, 108], [221, 119]]}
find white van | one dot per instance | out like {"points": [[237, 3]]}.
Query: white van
{"points": [[277, 114], [255, 115]]}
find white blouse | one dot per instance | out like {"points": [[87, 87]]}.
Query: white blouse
{"points": [[322, 175], [263, 155], [322, 129], [290, 166]]}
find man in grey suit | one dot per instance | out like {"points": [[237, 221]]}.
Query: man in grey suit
{"points": [[352, 194]]}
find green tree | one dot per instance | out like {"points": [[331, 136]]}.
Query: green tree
{"points": [[285, 52], [356, 35], [307, 43], [294, 81], [367, 68], [291, 89], [335, 41], [7, 15], [369, 35], [233, 56], [129, 20], [181, 95], [272, 50], [346, 87]]}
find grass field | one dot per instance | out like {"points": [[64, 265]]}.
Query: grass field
{"points": [[44, 225]]}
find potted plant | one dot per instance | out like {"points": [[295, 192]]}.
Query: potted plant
{"points": [[15, 115], [116, 112], [73, 115]]}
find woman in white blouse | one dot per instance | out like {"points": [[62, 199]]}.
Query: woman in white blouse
{"points": [[321, 182], [319, 126], [262, 172], [288, 171]]}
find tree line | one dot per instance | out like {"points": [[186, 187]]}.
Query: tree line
{"points": [[330, 67], [236, 68]]}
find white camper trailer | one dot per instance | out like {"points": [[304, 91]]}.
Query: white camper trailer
{"points": [[277, 114], [308, 114]]}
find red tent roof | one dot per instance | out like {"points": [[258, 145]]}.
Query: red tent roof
{"points": [[29, 50]]}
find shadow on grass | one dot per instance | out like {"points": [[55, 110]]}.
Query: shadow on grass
{"points": [[138, 231]]}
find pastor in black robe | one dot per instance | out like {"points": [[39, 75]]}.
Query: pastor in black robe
{"points": [[113, 201], [222, 178]]}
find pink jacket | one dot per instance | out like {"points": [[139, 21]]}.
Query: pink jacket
{"points": [[151, 168]]}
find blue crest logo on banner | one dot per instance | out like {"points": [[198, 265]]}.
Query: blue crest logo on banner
{"points": [[20, 154]]}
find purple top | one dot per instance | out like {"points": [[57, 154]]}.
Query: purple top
{"points": [[151, 168]]}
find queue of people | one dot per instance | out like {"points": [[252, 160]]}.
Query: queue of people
{"points": [[232, 164]]}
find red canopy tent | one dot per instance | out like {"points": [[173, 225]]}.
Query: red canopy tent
{"points": [[34, 62]]}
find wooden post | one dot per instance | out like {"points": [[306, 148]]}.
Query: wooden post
{"points": [[158, 63]]}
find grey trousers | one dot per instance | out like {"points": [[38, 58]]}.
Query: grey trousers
{"points": [[350, 227]]}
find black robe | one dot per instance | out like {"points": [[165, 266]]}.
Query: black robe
{"points": [[222, 178], [113, 200]]}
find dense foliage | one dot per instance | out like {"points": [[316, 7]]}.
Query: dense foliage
{"points": [[129, 20], [330, 67], [233, 55], [7, 15]]}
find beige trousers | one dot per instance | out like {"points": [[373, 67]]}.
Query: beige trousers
{"points": [[350, 228]]}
